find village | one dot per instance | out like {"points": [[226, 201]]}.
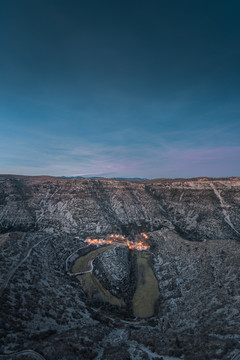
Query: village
{"points": [[119, 240]]}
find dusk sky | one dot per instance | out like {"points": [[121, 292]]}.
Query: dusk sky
{"points": [[120, 88]]}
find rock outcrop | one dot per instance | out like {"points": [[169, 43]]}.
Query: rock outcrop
{"points": [[116, 269]]}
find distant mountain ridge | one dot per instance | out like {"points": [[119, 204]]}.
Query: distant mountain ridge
{"points": [[102, 177]]}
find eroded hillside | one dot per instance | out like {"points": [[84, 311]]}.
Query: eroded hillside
{"points": [[48, 312], [197, 209]]}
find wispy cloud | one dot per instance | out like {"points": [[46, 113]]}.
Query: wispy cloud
{"points": [[155, 156]]}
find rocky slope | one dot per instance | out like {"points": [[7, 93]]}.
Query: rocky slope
{"points": [[197, 209], [193, 227], [116, 271]]}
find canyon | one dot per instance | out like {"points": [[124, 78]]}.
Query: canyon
{"points": [[48, 312]]}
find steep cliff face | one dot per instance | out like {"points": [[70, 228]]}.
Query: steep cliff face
{"points": [[201, 208], [196, 209]]}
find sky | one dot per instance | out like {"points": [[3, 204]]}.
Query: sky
{"points": [[120, 88]]}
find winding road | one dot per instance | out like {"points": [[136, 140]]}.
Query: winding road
{"points": [[69, 257], [82, 272], [34, 354], [87, 271], [236, 357], [14, 269]]}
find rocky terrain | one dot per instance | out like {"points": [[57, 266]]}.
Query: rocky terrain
{"points": [[194, 232], [115, 269], [197, 209]]}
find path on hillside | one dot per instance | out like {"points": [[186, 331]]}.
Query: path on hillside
{"points": [[33, 353], [14, 269]]}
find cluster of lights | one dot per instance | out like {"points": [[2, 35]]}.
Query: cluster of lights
{"points": [[136, 244]]}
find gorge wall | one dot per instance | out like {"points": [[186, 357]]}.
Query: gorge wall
{"points": [[197, 209]]}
